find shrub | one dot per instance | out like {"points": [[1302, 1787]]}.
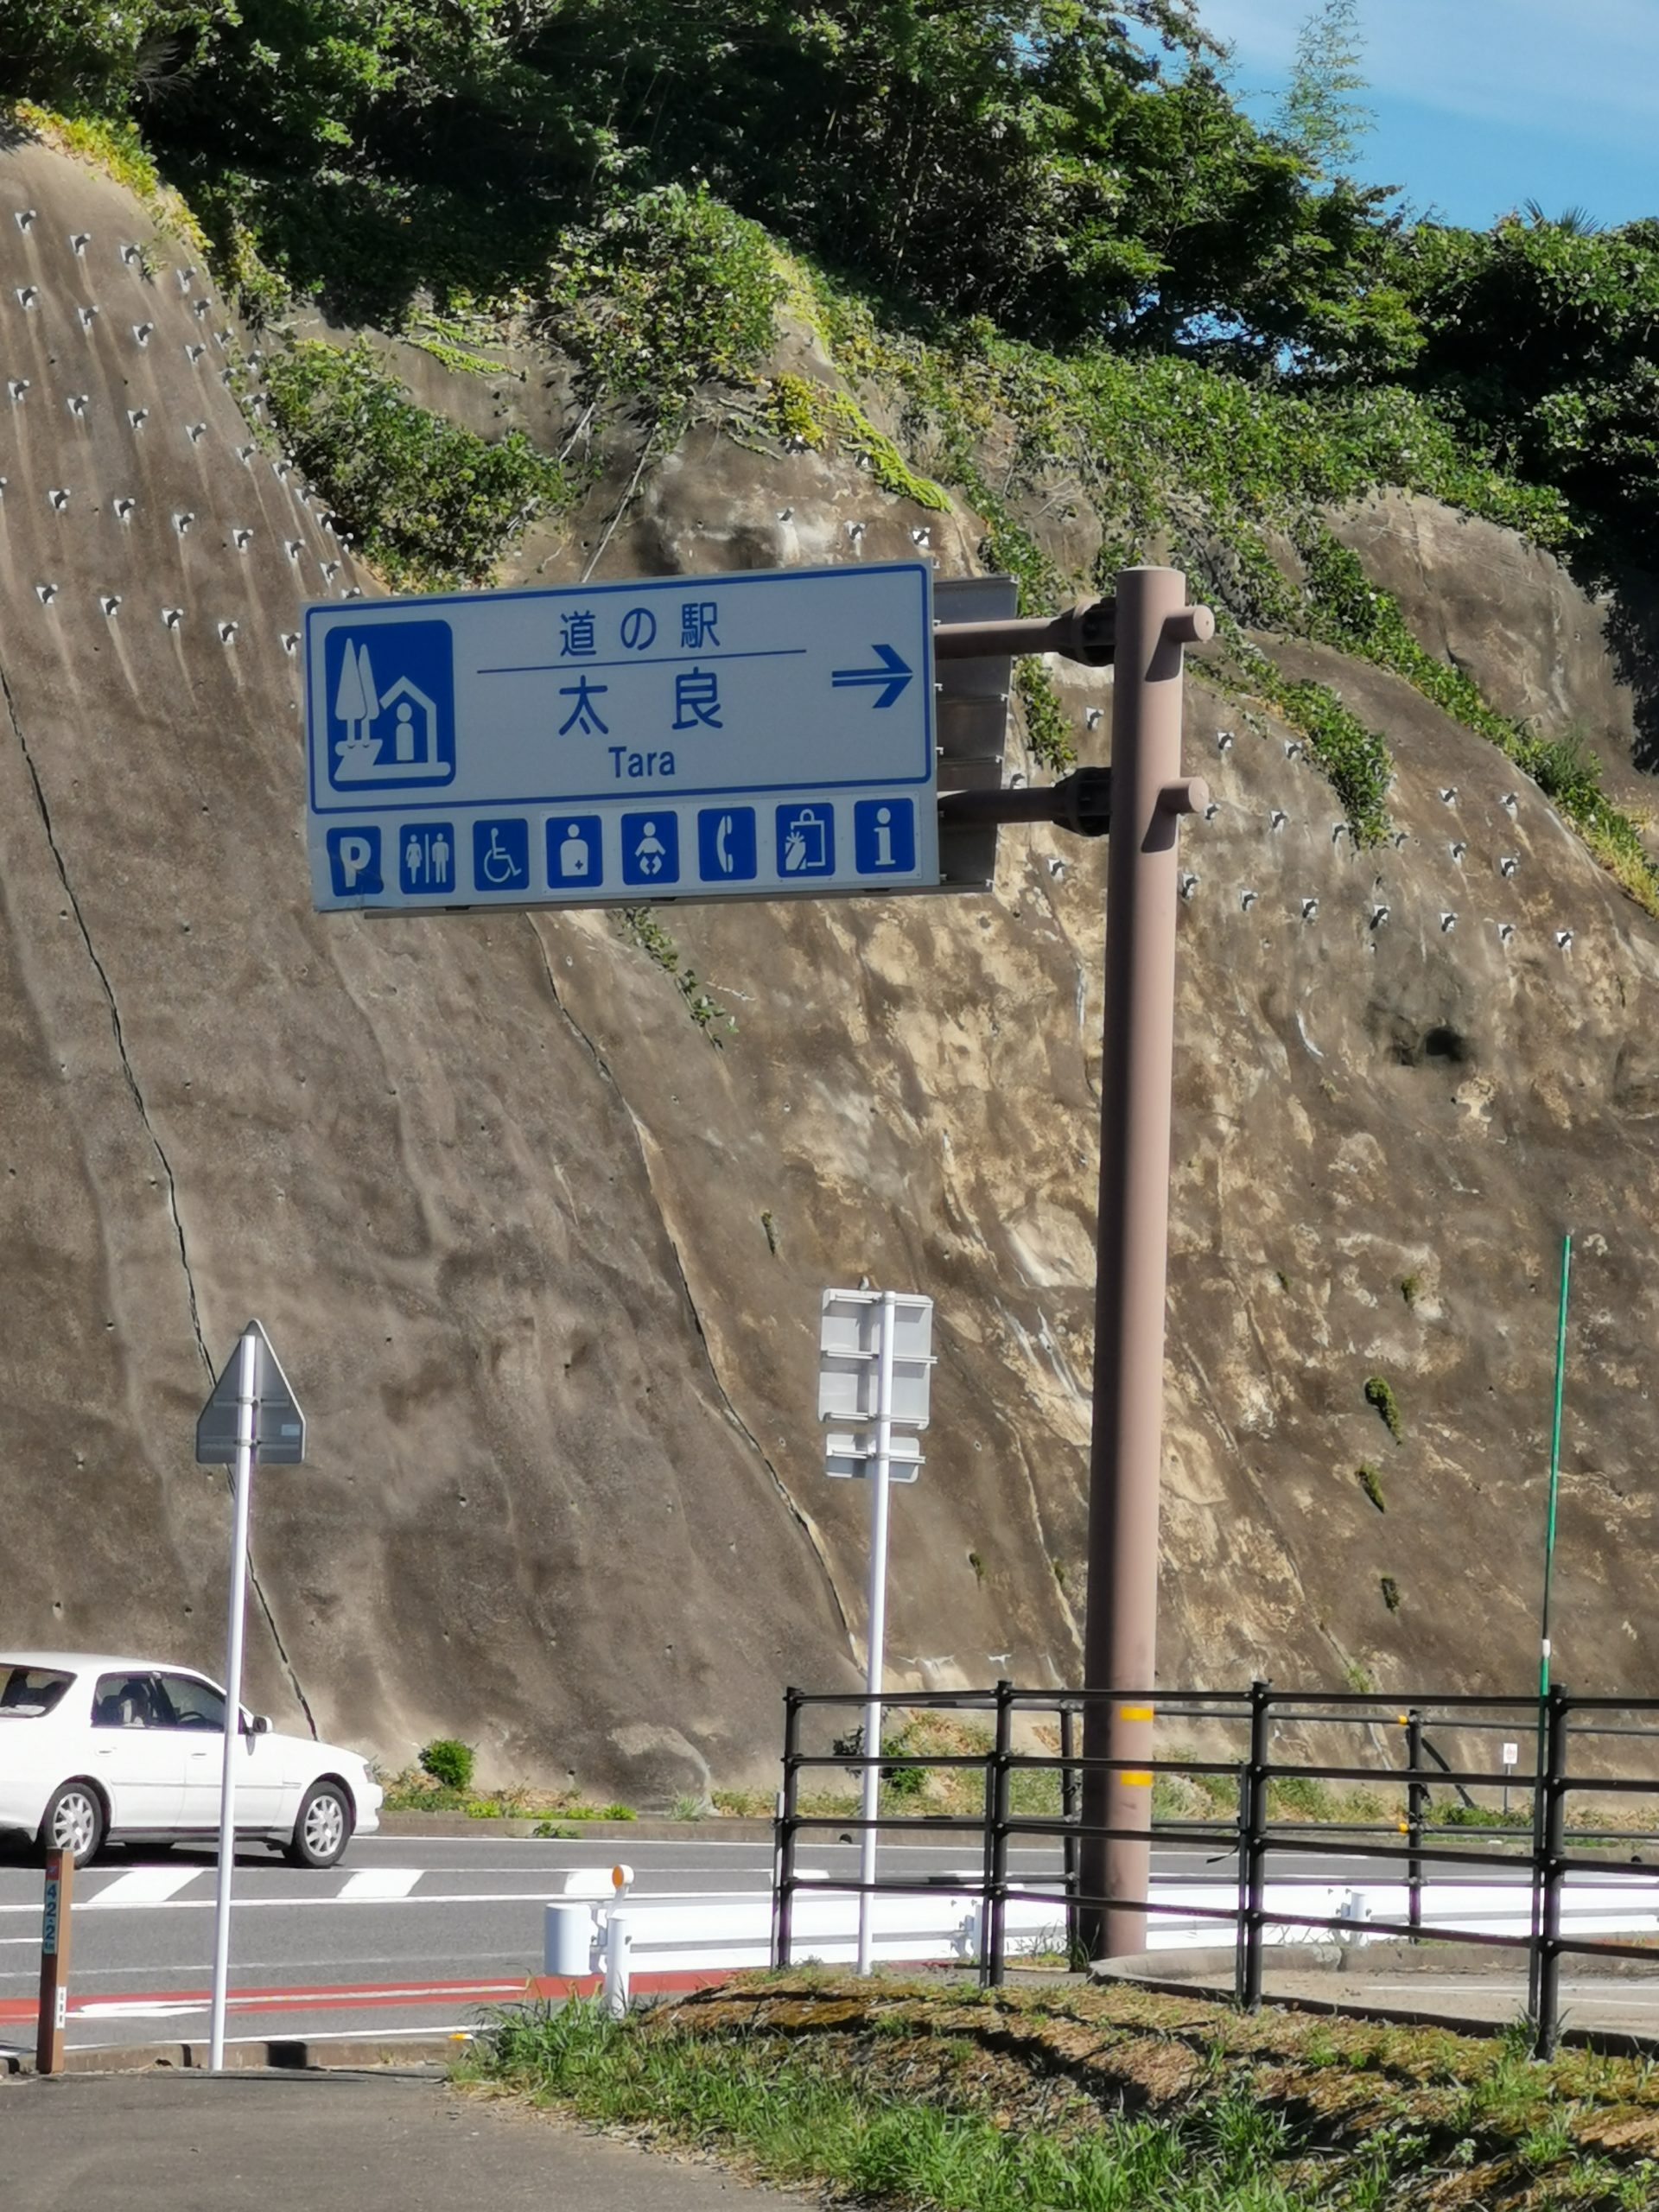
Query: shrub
{"points": [[448, 1762], [1390, 1590], [902, 1780], [1379, 1394], [432, 505], [670, 291], [1371, 1486]]}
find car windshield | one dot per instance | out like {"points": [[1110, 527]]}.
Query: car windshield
{"points": [[29, 1692]]}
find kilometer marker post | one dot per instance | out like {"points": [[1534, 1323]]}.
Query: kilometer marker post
{"points": [[54, 1961]]}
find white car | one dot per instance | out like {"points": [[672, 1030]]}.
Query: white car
{"points": [[95, 1747]]}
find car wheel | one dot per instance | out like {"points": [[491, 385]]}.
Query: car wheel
{"points": [[323, 1828], [73, 1822]]}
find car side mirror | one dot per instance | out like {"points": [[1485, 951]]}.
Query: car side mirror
{"points": [[256, 1724]]}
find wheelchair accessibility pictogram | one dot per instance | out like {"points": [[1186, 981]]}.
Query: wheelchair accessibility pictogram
{"points": [[501, 854]]}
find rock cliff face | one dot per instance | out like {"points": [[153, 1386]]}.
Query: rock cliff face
{"points": [[543, 1265]]}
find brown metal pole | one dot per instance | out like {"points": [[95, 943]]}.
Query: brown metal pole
{"points": [[1119, 1637], [1084, 633], [54, 1961]]}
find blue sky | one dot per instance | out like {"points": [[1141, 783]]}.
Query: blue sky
{"points": [[1482, 104]]}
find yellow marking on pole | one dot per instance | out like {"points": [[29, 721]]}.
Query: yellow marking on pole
{"points": [[1134, 1712], [1139, 1780]]}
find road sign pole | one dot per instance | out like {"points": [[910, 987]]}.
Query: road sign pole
{"points": [[247, 1399], [54, 1961], [1153, 622], [880, 1476]]}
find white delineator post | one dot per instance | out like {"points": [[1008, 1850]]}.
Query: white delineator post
{"points": [[880, 1475], [247, 1399]]}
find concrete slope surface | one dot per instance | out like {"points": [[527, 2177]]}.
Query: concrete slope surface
{"points": [[543, 1265]]}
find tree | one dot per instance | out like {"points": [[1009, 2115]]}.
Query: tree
{"points": [[1318, 113], [351, 700], [1543, 340]]}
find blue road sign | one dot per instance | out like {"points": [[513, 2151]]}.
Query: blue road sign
{"points": [[702, 737]]}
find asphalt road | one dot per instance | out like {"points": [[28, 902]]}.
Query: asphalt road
{"points": [[410, 1936]]}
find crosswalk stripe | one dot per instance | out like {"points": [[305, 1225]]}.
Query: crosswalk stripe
{"points": [[374, 1882], [143, 1885]]}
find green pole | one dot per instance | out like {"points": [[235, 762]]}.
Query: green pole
{"points": [[1555, 1466], [1534, 1955]]}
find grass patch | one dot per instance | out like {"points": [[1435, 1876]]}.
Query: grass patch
{"points": [[1084, 2099], [415, 1789], [798, 2117], [112, 147], [1302, 1800]]}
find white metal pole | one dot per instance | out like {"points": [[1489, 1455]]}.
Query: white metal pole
{"points": [[880, 1477], [247, 1392]]}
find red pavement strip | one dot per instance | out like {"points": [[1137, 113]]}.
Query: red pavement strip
{"points": [[361, 1997]]}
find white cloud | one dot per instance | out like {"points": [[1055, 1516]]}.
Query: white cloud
{"points": [[1568, 67]]}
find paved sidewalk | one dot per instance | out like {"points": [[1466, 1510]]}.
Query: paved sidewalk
{"points": [[287, 2142]]}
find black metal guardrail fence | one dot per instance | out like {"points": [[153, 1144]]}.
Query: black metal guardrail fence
{"points": [[1567, 1740]]}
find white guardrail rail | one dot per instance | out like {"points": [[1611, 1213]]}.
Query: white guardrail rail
{"points": [[598, 1928]]}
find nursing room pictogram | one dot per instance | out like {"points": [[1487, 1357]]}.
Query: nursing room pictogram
{"points": [[575, 850], [391, 705]]}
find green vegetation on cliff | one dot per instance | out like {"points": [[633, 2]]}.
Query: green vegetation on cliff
{"points": [[1045, 230], [431, 505], [1071, 172]]}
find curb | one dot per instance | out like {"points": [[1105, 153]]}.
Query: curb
{"points": [[716, 1830], [428, 2055]]}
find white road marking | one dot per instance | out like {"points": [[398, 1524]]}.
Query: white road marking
{"points": [[143, 2008], [457, 1896], [405, 1877], [456, 2033], [371, 1884], [144, 1885]]}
